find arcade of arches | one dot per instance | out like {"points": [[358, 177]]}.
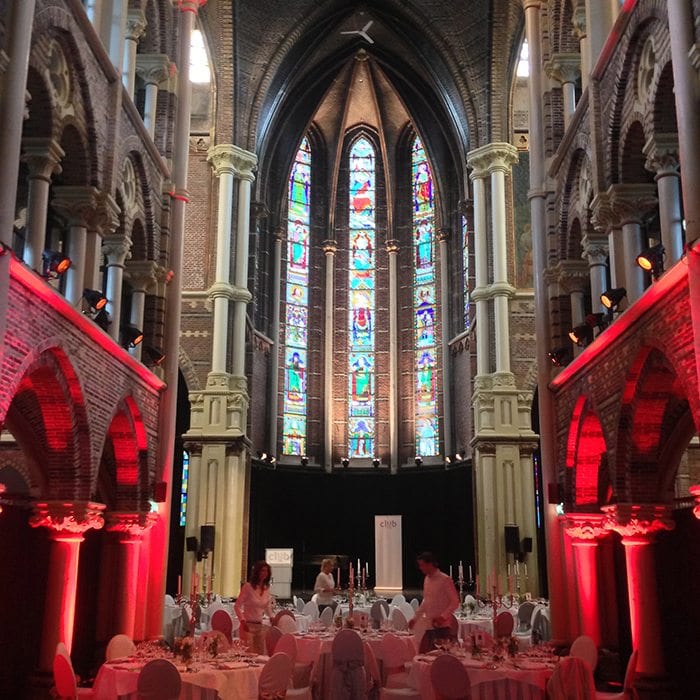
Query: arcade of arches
{"points": [[320, 273]]}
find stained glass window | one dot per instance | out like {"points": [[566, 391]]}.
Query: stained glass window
{"points": [[465, 271], [297, 304], [184, 487], [426, 403], [361, 300]]}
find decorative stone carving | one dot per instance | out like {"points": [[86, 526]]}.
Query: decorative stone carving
{"points": [[444, 234], [491, 158], [638, 521], [661, 151], [564, 67], [141, 274], [60, 78], [245, 163], [42, 156], [329, 246], [78, 204], [595, 250], [586, 527], [578, 20], [106, 214], [117, 249], [572, 276], [221, 159], [630, 202], [129, 186], [130, 525], [135, 25], [221, 290], [646, 69], [153, 68], [68, 518]]}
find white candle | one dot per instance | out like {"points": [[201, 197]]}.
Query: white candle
{"points": [[358, 566], [338, 577], [517, 567], [525, 568], [460, 570], [508, 569], [450, 570], [471, 578], [179, 585], [367, 568]]}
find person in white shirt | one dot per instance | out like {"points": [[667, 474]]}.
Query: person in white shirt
{"points": [[253, 601], [324, 586], [440, 600]]}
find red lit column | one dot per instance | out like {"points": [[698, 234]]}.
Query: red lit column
{"points": [[128, 529], [67, 523], [142, 588], [638, 526], [586, 531], [695, 493]]}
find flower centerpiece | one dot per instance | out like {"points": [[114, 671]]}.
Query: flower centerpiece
{"points": [[184, 648]]}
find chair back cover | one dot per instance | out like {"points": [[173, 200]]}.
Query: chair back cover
{"points": [[288, 624], [572, 680], [469, 598], [415, 603], [504, 624], [398, 598], [119, 646], [584, 648], [274, 634], [158, 680], [169, 600], [631, 672], [63, 677], [525, 612], [287, 645], [398, 620], [407, 609], [348, 676], [540, 626], [300, 604], [309, 651], [378, 613], [326, 617], [221, 622], [311, 609], [450, 679], [394, 652], [275, 677]]}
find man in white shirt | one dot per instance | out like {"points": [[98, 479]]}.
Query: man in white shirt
{"points": [[440, 600]]}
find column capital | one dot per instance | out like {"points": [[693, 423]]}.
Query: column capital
{"points": [[572, 276], [661, 151], [585, 528], [116, 249], [233, 159], [638, 523], [153, 68], [595, 249], [443, 235], [241, 294], [106, 214], [221, 290], [77, 203], [536, 4], [135, 24], [695, 493], [578, 20], [279, 233], [142, 274], [189, 5], [564, 67], [392, 245], [66, 519], [42, 156], [330, 246], [130, 525], [492, 157], [630, 202]]}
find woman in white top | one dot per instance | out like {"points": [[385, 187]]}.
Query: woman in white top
{"points": [[253, 601], [323, 588]]}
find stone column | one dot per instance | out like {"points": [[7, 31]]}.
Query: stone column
{"points": [[221, 158], [135, 27], [392, 248], [104, 223], [67, 523], [565, 68], [141, 276], [193, 517], [443, 238], [595, 253], [607, 227], [112, 29], [42, 156], [329, 248], [586, 532], [18, 38], [600, 17], [277, 339], [638, 525], [153, 69], [629, 203], [78, 205], [662, 158], [128, 529], [116, 249], [572, 279], [578, 20]]}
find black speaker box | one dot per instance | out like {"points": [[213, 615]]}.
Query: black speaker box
{"points": [[206, 537], [512, 533], [191, 544]]}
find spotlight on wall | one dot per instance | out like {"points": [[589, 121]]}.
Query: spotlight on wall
{"points": [[55, 264], [272, 459], [419, 460], [103, 320], [652, 260], [376, 462], [263, 456], [345, 462], [95, 299], [560, 357], [448, 459], [611, 298], [459, 457], [581, 335], [153, 356], [132, 336], [599, 321], [304, 461]]}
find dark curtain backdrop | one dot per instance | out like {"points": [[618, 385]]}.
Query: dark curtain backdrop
{"points": [[319, 514]]}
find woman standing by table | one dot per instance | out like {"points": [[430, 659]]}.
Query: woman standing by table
{"points": [[253, 601], [323, 588]]}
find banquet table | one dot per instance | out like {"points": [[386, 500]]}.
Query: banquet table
{"points": [[219, 679], [522, 678]]}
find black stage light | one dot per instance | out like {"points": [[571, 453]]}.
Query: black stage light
{"points": [[560, 357], [96, 300], [132, 336], [304, 461], [345, 462], [419, 461], [581, 335], [611, 298], [55, 264], [103, 320], [376, 462], [154, 356], [652, 260], [459, 457]]}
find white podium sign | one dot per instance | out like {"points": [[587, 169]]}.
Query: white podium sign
{"points": [[281, 562], [388, 562]]}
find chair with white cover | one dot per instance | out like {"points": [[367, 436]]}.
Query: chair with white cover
{"points": [[314, 598], [119, 647], [348, 674], [469, 599], [274, 677], [235, 630], [525, 612], [274, 634], [288, 624], [300, 604], [504, 625], [398, 598], [408, 610], [628, 690], [395, 656], [326, 617], [158, 680], [374, 681], [450, 679], [378, 613], [311, 609], [169, 600], [65, 681], [584, 648], [572, 680], [288, 645], [398, 620], [307, 655], [221, 622], [541, 628], [415, 603]]}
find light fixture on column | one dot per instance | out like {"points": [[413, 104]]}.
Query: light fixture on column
{"points": [[448, 460], [95, 299], [345, 462], [376, 462], [611, 298], [560, 357], [652, 260], [152, 356], [459, 456], [581, 335], [55, 264], [132, 336], [418, 460], [102, 319], [304, 461]]}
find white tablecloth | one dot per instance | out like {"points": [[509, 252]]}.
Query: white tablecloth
{"points": [[504, 683]]}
